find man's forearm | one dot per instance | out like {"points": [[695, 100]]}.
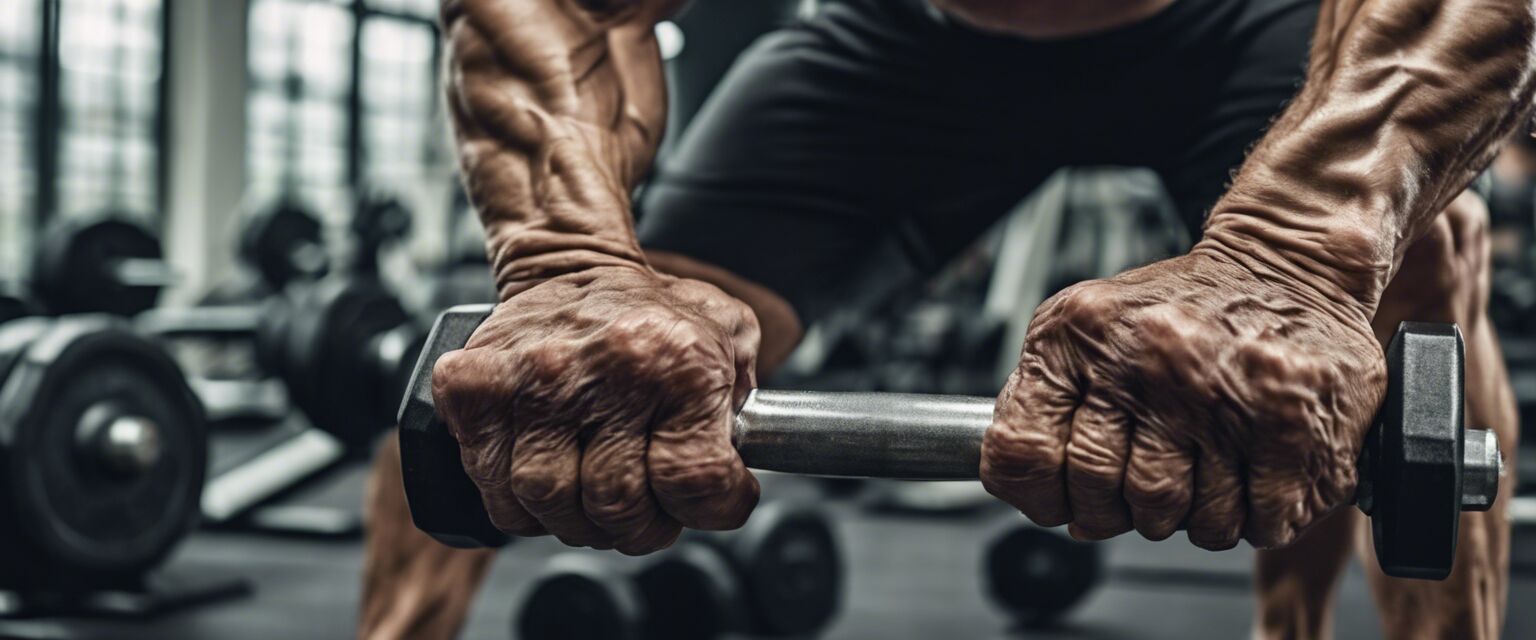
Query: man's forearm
{"points": [[1404, 102], [557, 107]]}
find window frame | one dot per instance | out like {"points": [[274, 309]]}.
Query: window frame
{"points": [[355, 111], [48, 117]]}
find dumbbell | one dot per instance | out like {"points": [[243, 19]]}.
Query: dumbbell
{"points": [[99, 264], [1420, 466], [103, 451], [284, 242], [1036, 574], [343, 347], [379, 220], [780, 575]]}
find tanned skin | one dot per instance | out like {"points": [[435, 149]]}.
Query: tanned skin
{"points": [[1226, 392]]}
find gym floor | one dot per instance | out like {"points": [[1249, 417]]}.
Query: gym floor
{"points": [[908, 576]]}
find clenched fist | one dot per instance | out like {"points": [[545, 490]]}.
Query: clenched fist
{"points": [[597, 406], [1199, 392]]}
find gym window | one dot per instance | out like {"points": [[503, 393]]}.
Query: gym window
{"points": [[81, 121], [342, 94]]}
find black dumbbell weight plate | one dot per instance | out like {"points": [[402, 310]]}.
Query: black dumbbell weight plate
{"points": [[77, 510], [792, 569], [444, 502], [330, 376], [283, 242], [1412, 483], [1037, 575], [691, 593], [579, 597], [73, 265]]}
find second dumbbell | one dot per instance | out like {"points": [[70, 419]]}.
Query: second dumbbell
{"points": [[780, 575]]}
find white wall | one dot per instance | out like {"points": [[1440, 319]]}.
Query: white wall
{"points": [[206, 141]]}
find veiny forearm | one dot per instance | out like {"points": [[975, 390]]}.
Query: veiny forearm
{"points": [[557, 107], [1404, 102]]}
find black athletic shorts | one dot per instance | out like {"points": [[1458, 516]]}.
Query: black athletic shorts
{"points": [[856, 150]]}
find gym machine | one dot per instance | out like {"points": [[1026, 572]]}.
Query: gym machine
{"points": [[1420, 465]]}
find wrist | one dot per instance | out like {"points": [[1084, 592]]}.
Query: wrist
{"points": [[1347, 267], [523, 258]]}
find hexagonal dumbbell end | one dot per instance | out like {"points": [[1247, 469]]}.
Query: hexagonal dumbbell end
{"points": [[1421, 467], [443, 500]]}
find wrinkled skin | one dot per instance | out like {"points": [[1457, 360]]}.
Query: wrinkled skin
{"points": [[1192, 391], [1444, 278], [1229, 390], [595, 402], [597, 406], [1226, 391]]}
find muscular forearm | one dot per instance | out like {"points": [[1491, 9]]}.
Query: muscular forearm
{"points": [[557, 107], [1404, 102]]}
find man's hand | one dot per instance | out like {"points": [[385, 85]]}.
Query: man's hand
{"points": [[597, 406], [595, 402], [1198, 392]]}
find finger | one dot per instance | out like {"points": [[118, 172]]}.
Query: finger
{"points": [[616, 494], [695, 473], [1295, 471], [545, 476], [1277, 503], [1218, 509], [1024, 451], [485, 441], [1157, 483], [1097, 451], [488, 467]]}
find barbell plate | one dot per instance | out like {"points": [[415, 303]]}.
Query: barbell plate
{"points": [[70, 521], [1416, 465], [79, 264], [332, 377]]}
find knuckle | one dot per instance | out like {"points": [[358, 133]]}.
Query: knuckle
{"points": [[1088, 302], [539, 489], [1091, 468], [1021, 452], [546, 364], [707, 475], [1160, 495], [622, 509]]}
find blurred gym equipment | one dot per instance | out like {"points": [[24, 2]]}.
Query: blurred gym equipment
{"points": [[344, 349], [1039, 575], [780, 575], [107, 264], [103, 449], [1420, 467], [279, 243]]}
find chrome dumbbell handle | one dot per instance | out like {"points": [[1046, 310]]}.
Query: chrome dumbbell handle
{"points": [[873, 435]]}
